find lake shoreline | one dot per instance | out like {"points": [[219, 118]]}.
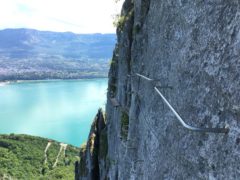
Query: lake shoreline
{"points": [[4, 83]]}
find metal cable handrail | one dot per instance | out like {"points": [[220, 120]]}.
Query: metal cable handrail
{"points": [[144, 77], [210, 130]]}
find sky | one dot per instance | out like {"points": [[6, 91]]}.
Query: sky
{"points": [[78, 16]]}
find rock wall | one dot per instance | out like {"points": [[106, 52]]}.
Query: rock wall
{"points": [[192, 51], [93, 154]]}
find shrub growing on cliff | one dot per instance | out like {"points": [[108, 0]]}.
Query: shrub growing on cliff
{"points": [[120, 20]]}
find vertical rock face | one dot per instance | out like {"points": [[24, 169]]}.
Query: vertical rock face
{"points": [[93, 154], [192, 49]]}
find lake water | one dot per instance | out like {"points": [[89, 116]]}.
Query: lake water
{"points": [[59, 110]]}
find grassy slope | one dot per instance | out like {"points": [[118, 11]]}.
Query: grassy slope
{"points": [[22, 157]]}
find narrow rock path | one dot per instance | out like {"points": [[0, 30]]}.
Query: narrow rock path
{"points": [[7, 177], [63, 148], [45, 152]]}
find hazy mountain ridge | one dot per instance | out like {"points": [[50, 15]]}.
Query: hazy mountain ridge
{"points": [[32, 54]]}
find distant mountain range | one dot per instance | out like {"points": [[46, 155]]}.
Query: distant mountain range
{"points": [[33, 54]]}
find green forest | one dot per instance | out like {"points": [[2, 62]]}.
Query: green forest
{"points": [[30, 157]]}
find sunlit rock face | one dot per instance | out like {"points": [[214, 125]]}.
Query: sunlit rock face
{"points": [[194, 48]]}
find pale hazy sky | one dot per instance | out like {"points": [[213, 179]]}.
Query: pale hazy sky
{"points": [[79, 16]]}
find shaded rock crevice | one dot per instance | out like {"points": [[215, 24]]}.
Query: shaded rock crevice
{"points": [[92, 162]]}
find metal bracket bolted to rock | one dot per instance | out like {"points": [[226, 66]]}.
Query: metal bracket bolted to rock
{"points": [[184, 124]]}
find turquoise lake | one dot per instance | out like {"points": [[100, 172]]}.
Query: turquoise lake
{"points": [[60, 110]]}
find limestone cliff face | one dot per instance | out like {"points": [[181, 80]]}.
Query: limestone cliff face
{"points": [[192, 49], [92, 164]]}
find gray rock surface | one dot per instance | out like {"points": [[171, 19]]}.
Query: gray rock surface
{"points": [[193, 47], [93, 154]]}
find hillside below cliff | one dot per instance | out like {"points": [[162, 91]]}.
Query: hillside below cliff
{"points": [[186, 53], [30, 157]]}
